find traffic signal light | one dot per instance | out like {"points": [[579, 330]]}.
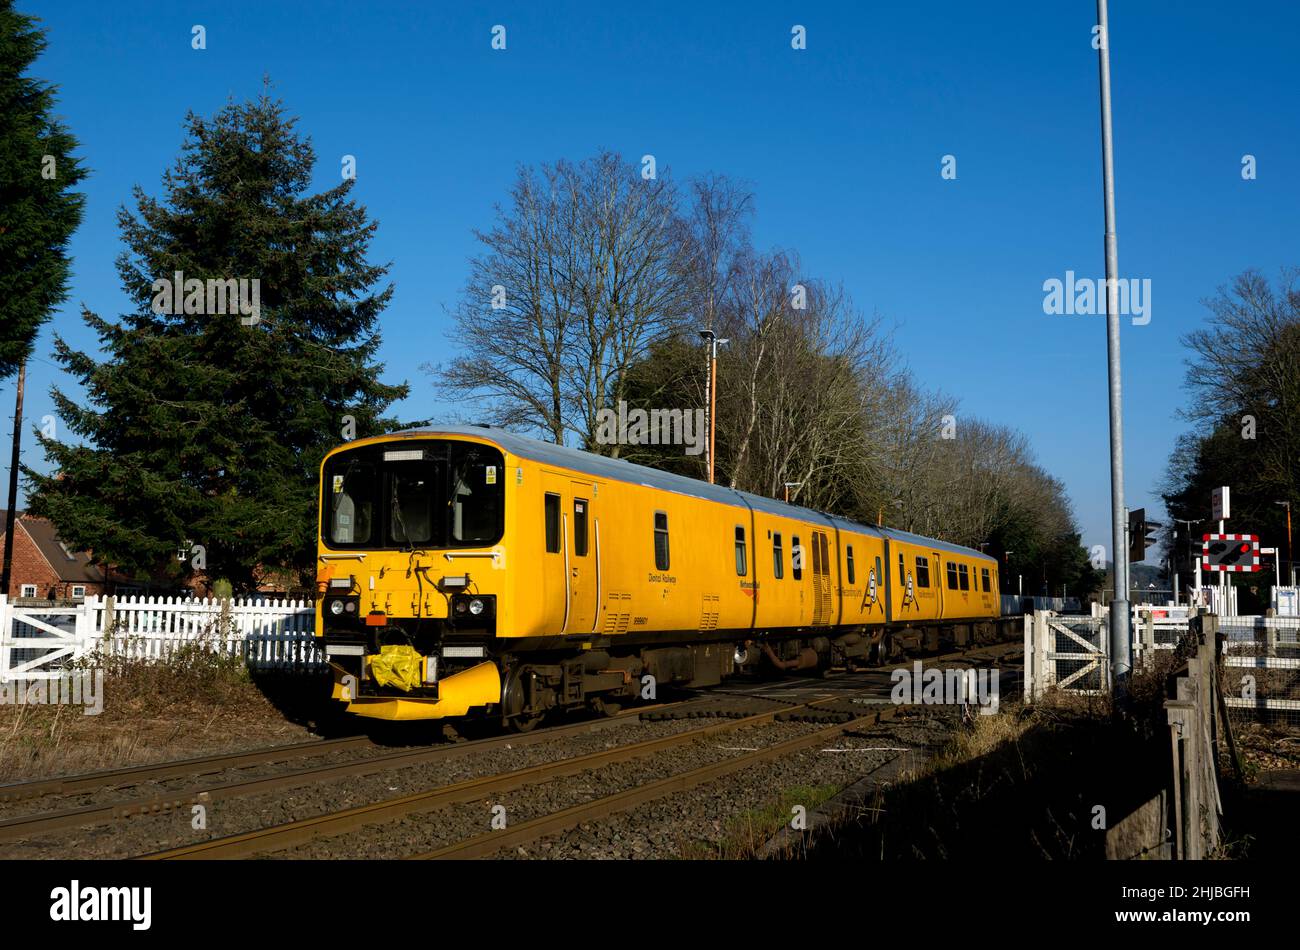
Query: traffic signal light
{"points": [[1141, 534]]}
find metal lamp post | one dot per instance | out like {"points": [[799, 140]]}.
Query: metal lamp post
{"points": [[1120, 646], [712, 339]]}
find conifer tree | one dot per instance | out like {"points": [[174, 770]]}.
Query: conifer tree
{"points": [[38, 208], [247, 354]]}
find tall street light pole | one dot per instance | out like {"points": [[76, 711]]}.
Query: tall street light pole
{"points": [[1119, 609], [12, 516], [712, 339]]}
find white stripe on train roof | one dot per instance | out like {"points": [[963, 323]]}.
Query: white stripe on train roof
{"points": [[616, 469]]}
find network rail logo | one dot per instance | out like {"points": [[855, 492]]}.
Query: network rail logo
{"points": [[651, 427], [83, 688], [934, 687]]}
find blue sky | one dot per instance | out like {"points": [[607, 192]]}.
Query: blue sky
{"points": [[841, 142]]}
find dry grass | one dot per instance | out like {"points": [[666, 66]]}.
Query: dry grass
{"points": [[981, 736], [196, 702], [1020, 784], [1265, 748]]}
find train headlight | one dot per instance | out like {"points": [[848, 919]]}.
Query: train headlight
{"points": [[473, 609], [336, 607]]}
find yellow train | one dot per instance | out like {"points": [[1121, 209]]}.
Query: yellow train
{"points": [[470, 571]]}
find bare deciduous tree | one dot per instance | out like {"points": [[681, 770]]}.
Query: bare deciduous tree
{"points": [[580, 275]]}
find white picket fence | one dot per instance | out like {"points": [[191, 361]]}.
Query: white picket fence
{"points": [[38, 641]]}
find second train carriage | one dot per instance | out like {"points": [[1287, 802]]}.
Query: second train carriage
{"points": [[467, 570]]}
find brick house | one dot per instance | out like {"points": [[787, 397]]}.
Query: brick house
{"points": [[44, 567]]}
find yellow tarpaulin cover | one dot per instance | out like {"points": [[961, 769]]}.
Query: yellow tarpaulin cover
{"points": [[397, 665]]}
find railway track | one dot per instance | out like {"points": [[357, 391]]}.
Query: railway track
{"points": [[528, 832], [34, 825], [203, 765], [294, 833], [488, 844], [737, 709]]}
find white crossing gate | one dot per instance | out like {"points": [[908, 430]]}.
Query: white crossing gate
{"points": [[38, 642], [1067, 652]]}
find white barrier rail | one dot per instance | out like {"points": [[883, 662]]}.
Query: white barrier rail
{"points": [[38, 641]]}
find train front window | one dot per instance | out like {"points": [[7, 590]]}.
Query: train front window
{"points": [[412, 487], [351, 503], [476, 497], [414, 494]]}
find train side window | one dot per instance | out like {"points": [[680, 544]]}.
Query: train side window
{"points": [[849, 564], [952, 575], [796, 559], [902, 569], [963, 576], [984, 578], [552, 523], [661, 540], [580, 527], [778, 557], [922, 571], [741, 565]]}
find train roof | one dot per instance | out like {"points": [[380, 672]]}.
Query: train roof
{"points": [[620, 470]]}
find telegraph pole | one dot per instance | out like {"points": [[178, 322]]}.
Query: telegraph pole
{"points": [[12, 517], [1120, 646]]}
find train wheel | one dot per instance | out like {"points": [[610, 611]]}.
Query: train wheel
{"points": [[882, 651], [523, 723]]}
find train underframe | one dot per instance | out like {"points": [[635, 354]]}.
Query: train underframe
{"points": [[520, 682]]}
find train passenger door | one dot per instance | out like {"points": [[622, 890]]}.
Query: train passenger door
{"points": [[821, 579], [939, 577], [888, 581], [555, 579], [584, 559]]}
